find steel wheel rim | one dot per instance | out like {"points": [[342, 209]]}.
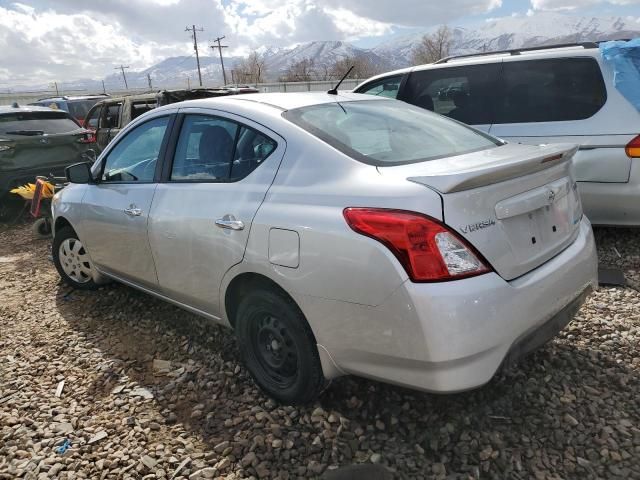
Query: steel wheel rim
{"points": [[75, 261], [275, 350]]}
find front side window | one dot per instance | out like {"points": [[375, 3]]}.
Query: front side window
{"points": [[111, 115], [466, 94], [388, 132], [134, 158], [92, 120], [552, 90], [386, 87]]}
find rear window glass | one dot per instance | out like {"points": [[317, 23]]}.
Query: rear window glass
{"points": [[389, 132], [37, 123], [551, 90], [79, 108]]}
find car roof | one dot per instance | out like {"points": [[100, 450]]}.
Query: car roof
{"points": [[531, 53], [282, 101], [67, 98], [28, 108]]}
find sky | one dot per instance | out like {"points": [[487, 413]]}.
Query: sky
{"points": [[44, 41]]}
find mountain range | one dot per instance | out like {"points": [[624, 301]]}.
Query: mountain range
{"points": [[543, 28]]}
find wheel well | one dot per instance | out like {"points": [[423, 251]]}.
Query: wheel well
{"points": [[242, 284], [61, 222]]}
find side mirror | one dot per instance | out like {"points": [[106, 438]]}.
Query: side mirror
{"points": [[79, 173]]}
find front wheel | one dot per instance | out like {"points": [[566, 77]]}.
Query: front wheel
{"points": [[278, 347], [72, 260]]}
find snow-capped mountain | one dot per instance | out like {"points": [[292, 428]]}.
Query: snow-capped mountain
{"points": [[544, 28]]}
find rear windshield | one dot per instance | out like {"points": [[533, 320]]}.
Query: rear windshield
{"points": [[389, 132], [36, 123], [79, 108]]}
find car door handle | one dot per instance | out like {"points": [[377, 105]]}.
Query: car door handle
{"points": [[133, 212], [229, 222]]}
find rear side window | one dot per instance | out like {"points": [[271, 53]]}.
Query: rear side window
{"points": [[386, 87], [388, 132], [138, 108], [37, 123], [214, 149], [466, 93], [551, 90]]}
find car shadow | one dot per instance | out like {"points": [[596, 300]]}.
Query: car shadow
{"points": [[133, 329]]}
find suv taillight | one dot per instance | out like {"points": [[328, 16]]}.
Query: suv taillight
{"points": [[633, 148], [427, 249], [89, 137]]}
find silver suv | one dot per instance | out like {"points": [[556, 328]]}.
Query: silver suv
{"points": [[540, 95], [336, 234]]}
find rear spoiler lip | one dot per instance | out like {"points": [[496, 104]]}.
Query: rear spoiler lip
{"points": [[480, 177]]}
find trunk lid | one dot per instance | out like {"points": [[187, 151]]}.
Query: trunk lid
{"points": [[518, 205]]}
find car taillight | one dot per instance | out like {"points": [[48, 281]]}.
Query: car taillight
{"points": [[633, 148], [88, 137], [427, 249]]}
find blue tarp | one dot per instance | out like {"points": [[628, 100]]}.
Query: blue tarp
{"points": [[624, 59]]}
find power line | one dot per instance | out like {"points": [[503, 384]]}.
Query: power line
{"points": [[195, 47], [220, 47], [124, 77]]}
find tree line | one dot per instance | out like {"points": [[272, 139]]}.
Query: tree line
{"points": [[253, 68]]}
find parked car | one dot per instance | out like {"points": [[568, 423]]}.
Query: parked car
{"points": [[76, 105], [35, 141], [336, 234], [108, 117], [541, 95]]}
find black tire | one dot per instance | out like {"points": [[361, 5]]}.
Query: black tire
{"points": [[62, 235], [41, 228], [278, 347]]}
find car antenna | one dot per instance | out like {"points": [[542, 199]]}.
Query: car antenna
{"points": [[334, 90]]}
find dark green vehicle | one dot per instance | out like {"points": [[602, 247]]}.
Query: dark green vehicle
{"points": [[36, 141]]}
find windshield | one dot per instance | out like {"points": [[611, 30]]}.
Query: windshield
{"points": [[386, 133], [37, 123]]}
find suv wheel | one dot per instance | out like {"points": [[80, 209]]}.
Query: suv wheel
{"points": [[278, 347], [72, 260]]}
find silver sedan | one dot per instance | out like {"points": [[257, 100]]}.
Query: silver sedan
{"points": [[336, 234]]}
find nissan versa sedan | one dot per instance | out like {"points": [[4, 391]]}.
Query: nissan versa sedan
{"points": [[336, 234]]}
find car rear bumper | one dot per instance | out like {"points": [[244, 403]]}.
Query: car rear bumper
{"points": [[453, 336], [616, 204]]}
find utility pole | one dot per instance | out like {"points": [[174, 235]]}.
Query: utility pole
{"points": [[149, 81], [195, 47], [124, 77], [220, 47]]}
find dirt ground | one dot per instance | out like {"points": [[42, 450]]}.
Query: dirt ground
{"points": [[151, 391]]}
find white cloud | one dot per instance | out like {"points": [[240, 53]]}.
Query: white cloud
{"points": [[568, 5]]}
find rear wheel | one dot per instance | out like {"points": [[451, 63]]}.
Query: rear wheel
{"points": [[278, 347], [72, 260], [41, 228]]}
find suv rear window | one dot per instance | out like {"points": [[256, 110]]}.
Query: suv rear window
{"points": [[551, 90], [388, 132], [79, 108], [37, 123]]}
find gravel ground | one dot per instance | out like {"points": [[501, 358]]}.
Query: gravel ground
{"points": [[153, 392]]}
